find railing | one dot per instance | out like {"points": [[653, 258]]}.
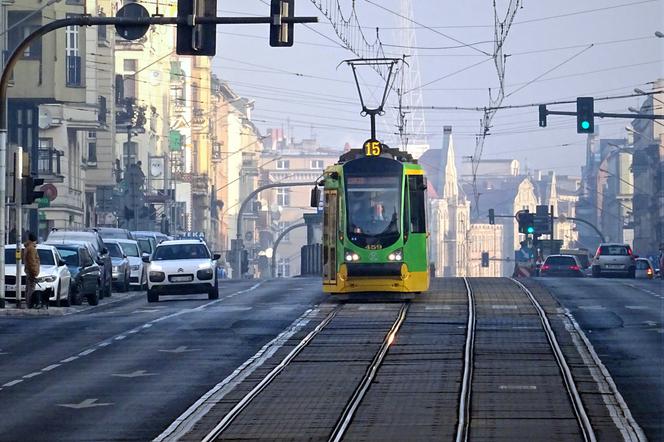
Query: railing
{"points": [[49, 162]]}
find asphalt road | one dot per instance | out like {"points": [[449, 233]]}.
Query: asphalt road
{"points": [[126, 371], [624, 321]]}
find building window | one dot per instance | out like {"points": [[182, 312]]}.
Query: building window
{"points": [[101, 116], [316, 164], [92, 149], [73, 56], [130, 84], [102, 35], [282, 226], [283, 164], [20, 25], [283, 267], [283, 197], [48, 162]]}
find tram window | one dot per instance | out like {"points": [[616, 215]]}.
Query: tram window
{"points": [[417, 207]]}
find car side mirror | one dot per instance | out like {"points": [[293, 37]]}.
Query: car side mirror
{"points": [[216, 256], [145, 258], [61, 263], [124, 256], [104, 250], [636, 256]]}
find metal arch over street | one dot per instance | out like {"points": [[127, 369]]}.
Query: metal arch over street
{"points": [[273, 265]]}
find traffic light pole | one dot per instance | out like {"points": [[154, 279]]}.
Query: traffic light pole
{"points": [[18, 208], [89, 21], [608, 115]]}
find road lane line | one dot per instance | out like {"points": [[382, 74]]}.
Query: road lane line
{"points": [[32, 375], [636, 307], [205, 403], [147, 325]]}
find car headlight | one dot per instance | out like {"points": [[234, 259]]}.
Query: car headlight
{"points": [[351, 256], [116, 268], [135, 267], [157, 276], [397, 255], [47, 278], [205, 274]]}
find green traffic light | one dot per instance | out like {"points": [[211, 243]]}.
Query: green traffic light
{"points": [[585, 124], [531, 230]]}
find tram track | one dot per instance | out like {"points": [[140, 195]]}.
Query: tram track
{"points": [[463, 422]]}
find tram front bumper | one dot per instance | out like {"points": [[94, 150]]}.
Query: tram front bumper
{"points": [[383, 277]]}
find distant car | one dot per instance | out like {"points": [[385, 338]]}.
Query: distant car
{"points": [[137, 275], [644, 269], [121, 267], [101, 256], [85, 273], [561, 265], [54, 277], [614, 259], [113, 233], [182, 267]]}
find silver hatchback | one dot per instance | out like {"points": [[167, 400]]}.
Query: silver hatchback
{"points": [[614, 259]]}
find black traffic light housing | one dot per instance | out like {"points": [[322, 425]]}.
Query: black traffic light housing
{"points": [[281, 34], [526, 222], [245, 261], [485, 259], [585, 115], [492, 216], [193, 39], [28, 193], [542, 115]]}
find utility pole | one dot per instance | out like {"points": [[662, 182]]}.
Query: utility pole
{"points": [[18, 208]]}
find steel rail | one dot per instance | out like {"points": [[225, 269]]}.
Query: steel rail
{"points": [[246, 400], [349, 412], [463, 422], [577, 403]]}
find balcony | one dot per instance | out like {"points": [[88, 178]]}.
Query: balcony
{"points": [[49, 165], [73, 74]]}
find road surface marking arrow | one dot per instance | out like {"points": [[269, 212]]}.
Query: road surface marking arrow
{"points": [[136, 374], [88, 403], [180, 349]]}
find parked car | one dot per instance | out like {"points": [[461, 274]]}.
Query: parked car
{"points": [[147, 245], [561, 265], [85, 273], [121, 271], [182, 267], [644, 269], [614, 259], [114, 233], [137, 275], [54, 277], [101, 256]]}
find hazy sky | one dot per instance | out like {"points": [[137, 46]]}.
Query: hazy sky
{"points": [[303, 83]]}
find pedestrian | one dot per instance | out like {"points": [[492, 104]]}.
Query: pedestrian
{"points": [[32, 264], [660, 260]]}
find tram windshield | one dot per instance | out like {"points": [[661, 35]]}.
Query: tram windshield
{"points": [[374, 206]]}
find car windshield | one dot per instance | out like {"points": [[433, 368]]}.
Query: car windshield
{"points": [[613, 250], [114, 250], [45, 256], [145, 245], [642, 264], [130, 249], [181, 251], [69, 256], [560, 261]]}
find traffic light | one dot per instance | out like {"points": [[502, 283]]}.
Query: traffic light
{"points": [[281, 34], [245, 261], [28, 193], [192, 39], [585, 115], [526, 222], [485, 259], [542, 115], [492, 216]]}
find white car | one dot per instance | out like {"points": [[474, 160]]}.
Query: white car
{"points": [[54, 276], [130, 247], [181, 267]]}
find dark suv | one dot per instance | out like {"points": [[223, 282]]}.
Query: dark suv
{"points": [[58, 236]]}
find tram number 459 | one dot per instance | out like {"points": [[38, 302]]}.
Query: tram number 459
{"points": [[372, 148]]}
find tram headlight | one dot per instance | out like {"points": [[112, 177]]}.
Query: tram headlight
{"points": [[351, 256], [397, 255]]}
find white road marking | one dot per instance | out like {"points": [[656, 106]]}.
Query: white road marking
{"points": [[650, 323], [636, 307], [136, 374], [12, 383], [87, 403], [205, 403], [32, 375], [69, 359], [180, 349], [120, 338], [147, 310], [590, 307], [518, 387], [51, 367], [104, 344], [642, 290], [87, 352]]}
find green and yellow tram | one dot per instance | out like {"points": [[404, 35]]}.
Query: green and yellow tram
{"points": [[374, 223]]}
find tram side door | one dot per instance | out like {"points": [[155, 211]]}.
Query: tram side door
{"points": [[330, 222]]}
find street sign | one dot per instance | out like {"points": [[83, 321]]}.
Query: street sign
{"points": [[372, 148], [132, 32]]}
